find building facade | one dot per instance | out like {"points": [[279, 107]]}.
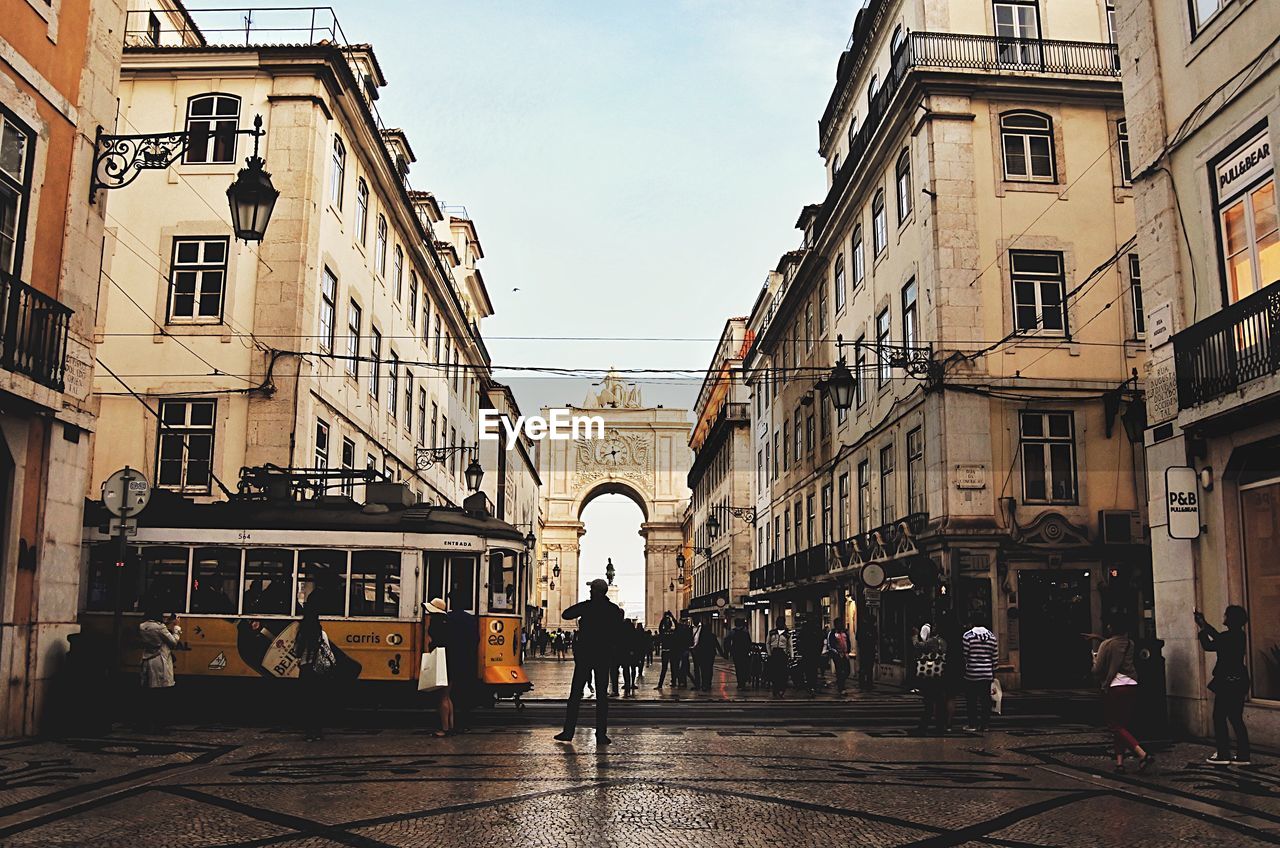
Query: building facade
{"points": [[1201, 81], [720, 486], [511, 484], [59, 66], [973, 265], [348, 339]]}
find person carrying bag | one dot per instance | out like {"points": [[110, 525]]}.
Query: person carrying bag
{"points": [[315, 666], [433, 674]]}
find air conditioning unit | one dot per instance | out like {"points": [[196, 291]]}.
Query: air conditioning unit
{"points": [[1120, 527]]}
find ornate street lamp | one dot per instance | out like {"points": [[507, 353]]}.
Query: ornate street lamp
{"points": [[530, 540], [474, 474], [555, 570], [841, 385], [713, 523], [252, 196]]}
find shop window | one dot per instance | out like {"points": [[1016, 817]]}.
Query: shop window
{"points": [[1260, 526], [1048, 457]]}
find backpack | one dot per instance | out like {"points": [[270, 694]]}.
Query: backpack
{"points": [[932, 660]]}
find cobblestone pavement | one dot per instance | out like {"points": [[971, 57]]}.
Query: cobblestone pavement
{"points": [[739, 787]]}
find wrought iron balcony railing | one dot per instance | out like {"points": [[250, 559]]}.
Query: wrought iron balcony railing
{"points": [[1237, 345], [33, 335], [991, 53]]}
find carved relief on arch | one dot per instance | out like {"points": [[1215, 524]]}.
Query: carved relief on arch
{"points": [[618, 454]]}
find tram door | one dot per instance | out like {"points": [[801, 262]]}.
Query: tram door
{"points": [[452, 578], [1055, 610]]}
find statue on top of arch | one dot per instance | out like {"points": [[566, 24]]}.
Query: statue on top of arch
{"points": [[614, 394]]}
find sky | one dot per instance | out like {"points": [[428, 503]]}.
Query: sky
{"points": [[634, 169]]}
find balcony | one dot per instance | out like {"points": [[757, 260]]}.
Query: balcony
{"points": [[1222, 353], [812, 562], [33, 336]]}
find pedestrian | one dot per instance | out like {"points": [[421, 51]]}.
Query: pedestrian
{"points": [[705, 648], [1230, 683], [159, 633], [838, 649], [599, 631], [866, 639], [948, 627], [627, 658], [641, 645], [666, 647], [931, 658], [459, 633], [778, 644], [315, 662], [980, 653], [438, 636], [1114, 669], [738, 646], [808, 650], [682, 648]]}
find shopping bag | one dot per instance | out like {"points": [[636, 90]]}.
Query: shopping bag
{"points": [[997, 696], [433, 673]]}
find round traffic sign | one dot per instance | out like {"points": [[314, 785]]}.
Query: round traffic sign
{"points": [[873, 575], [126, 491]]}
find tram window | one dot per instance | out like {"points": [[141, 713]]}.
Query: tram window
{"points": [[462, 583], [375, 583], [268, 581], [502, 582], [215, 581], [102, 578], [164, 577], [322, 571], [435, 576]]}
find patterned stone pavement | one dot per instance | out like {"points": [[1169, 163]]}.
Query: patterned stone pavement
{"points": [[675, 786]]}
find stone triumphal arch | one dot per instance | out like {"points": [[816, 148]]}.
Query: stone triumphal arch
{"points": [[644, 455]]}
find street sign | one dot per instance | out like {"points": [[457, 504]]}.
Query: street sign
{"points": [[1182, 502], [873, 575], [127, 526], [126, 492]]}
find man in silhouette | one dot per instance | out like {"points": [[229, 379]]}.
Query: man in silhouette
{"points": [[595, 650]]}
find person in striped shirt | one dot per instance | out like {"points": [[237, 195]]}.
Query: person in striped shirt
{"points": [[980, 653]]}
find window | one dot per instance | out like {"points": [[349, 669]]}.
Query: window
{"points": [[328, 309], [777, 538], [339, 174], [842, 516], [1048, 457], [1203, 11], [197, 280], [760, 470], [353, 339], [362, 212], [775, 454], [798, 518], [859, 258], [1251, 241], [835, 165], [903, 177], [322, 444], [435, 426], [897, 40], [422, 415], [808, 326], [864, 496], [153, 27], [1027, 141], [798, 436], [185, 445], [822, 307], [1038, 289], [808, 522], [408, 401], [1122, 147], [397, 280], [426, 317], [16, 153], [808, 434], [375, 368], [1018, 32], [915, 471], [439, 338], [909, 331], [883, 369], [888, 494], [215, 581], [860, 371], [411, 314], [375, 583], [349, 465], [380, 247], [212, 121], [786, 445], [1111, 23], [393, 383], [873, 88], [879, 227], [1135, 298], [268, 581], [826, 512], [839, 278]]}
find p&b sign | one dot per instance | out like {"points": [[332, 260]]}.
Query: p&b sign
{"points": [[1182, 502]]}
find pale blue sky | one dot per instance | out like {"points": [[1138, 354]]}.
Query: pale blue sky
{"points": [[634, 169]]}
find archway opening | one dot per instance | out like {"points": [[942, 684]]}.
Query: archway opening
{"points": [[612, 523]]}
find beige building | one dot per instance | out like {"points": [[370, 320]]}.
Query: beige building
{"points": [[348, 339], [59, 64], [511, 484], [973, 264], [1201, 82], [720, 483]]}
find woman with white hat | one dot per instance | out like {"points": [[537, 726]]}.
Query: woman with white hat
{"points": [[438, 636]]}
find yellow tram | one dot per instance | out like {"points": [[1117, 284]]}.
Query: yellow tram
{"points": [[238, 573]]}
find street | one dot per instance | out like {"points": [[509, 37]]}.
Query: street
{"points": [[740, 786]]}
